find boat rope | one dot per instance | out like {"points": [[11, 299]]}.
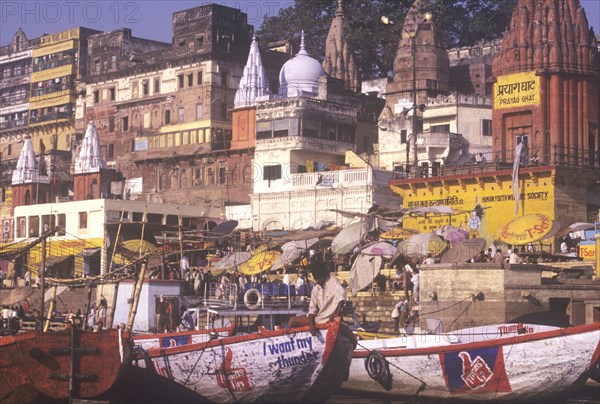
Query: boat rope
{"points": [[211, 335], [470, 297], [379, 357], [473, 298], [378, 369]]}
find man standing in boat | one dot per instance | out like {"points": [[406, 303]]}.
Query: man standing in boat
{"points": [[326, 300]]}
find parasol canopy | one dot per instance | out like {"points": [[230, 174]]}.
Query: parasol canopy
{"points": [[526, 229], [8, 297], [259, 262], [380, 248], [578, 226], [139, 246], [292, 250], [452, 234], [463, 251], [233, 259], [422, 244], [364, 269], [349, 237], [223, 228], [398, 233]]}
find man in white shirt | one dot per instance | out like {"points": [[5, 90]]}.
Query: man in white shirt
{"points": [[429, 260], [514, 257], [327, 297]]}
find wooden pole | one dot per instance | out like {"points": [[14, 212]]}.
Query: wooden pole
{"points": [[43, 279], [136, 297], [116, 240], [50, 309]]}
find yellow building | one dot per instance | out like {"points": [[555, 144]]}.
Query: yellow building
{"points": [[58, 63], [483, 200]]}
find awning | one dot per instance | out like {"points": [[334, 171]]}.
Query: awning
{"points": [[89, 252]]}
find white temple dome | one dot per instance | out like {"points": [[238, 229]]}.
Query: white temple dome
{"points": [[300, 75]]}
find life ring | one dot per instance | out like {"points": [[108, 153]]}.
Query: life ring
{"points": [[247, 297]]}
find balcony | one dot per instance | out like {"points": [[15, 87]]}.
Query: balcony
{"points": [[360, 177], [13, 123], [304, 143]]}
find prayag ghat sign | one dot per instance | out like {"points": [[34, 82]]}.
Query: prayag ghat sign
{"points": [[481, 210], [516, 90]]}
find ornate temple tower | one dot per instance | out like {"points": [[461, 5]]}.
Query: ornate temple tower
{"points": [[30, 184], [546, 91], [428, 56], [339, 59], [92, 177]]}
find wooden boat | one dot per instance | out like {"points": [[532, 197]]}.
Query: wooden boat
{"points": [[511, 363], [68, 364], [279, 365]]}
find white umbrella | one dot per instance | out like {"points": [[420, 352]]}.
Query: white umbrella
{"points": [[452, 234], [292, 250], [349, 237], [233, 259], [364, 269], [422, 244], [380, 248]]}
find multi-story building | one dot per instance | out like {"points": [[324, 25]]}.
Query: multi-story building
{"points": [[163, 114], [452, 92], [307, 138], [15, 76]]}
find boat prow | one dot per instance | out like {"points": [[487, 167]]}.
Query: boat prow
{"points": [[286, 365]]}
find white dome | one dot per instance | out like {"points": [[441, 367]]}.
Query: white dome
{"points": [[300, 75]]}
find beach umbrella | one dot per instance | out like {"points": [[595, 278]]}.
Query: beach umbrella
{"points": [[139, 246], [398, 233], [12, 296], [349, 237], [419, 245], [578, 226], [364, 269], [526, 229], [291, 251], [232, 260], [452, 234], [259, 262], [463, 251], [380, 248], [223, 228]]}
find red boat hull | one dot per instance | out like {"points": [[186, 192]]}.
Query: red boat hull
{"points": [[38, 365]]}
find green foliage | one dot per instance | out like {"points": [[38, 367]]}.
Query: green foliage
{"points": [[461, 22]]}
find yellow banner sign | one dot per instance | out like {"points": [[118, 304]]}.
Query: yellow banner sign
{"points": [[587, 252], [517, 90], [50, 49]]}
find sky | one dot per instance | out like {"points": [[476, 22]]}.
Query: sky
{"points": [[149, 19]]}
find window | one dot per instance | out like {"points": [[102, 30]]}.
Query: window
{"points": [[403, 135], [310, 128], [486, 127], [224, 115], [167, 117], [280, 128], [180, 114], [111, 94], [113, 62], [180, 80], [224, 75], [156, 86], [145, 88], [181, 43], [198, 111], [272, 172], [222, 175], [440, 128], [96, 65], [200, 41], [111, 151], [96, 96], [125, 124], [111, 124], [190, 78], [83, 220], [199, 78]]}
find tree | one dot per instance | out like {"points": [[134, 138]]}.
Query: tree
{"points": [[462, 23]]}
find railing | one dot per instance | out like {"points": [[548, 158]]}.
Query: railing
{"points": [[13, 123], [52, 64], [256, 295]]}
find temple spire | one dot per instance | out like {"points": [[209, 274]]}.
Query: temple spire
{"points": [[339, 59], [254, 83], [28, 169], [90, 157]]}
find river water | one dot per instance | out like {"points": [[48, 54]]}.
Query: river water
{"points": [[588, 394]]}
